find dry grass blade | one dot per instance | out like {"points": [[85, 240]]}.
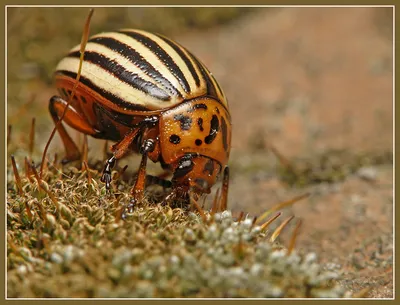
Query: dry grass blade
{"points": [[265, 225], [85, 149], [282, 159], [28, 170], [28, 211], [44, 188], [16, 175], [89, 175], [121, 172], [215, 204], [32, 137], [282, 205], [241, 215], [279, 229], [82, 51], [118, 213], [294, 237], [198, 208], [254, 221], [224, 194]]}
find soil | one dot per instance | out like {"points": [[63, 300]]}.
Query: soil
{"points": [[308, 81]]}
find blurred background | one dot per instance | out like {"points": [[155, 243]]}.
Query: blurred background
{"points": [[315, 83]]}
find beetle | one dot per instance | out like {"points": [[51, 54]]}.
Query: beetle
{"points": [[152, 96]]}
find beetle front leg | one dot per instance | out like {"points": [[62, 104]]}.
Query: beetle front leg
{"points": [[137, 190]]}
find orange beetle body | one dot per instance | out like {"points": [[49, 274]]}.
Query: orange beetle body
{"points": [[150, 95]]}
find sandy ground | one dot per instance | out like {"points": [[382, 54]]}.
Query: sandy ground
{"points": [[309, 81]]}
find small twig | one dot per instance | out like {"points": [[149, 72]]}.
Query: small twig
{"points": [[16, 175], [279, 229]]}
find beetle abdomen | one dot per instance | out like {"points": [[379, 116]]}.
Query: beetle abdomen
{"points": [[139, 70]]}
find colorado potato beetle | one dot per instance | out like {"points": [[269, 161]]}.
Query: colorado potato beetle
{"points": [[148, 94]]}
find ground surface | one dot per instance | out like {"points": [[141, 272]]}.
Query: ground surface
{"points": [[308, 81]]}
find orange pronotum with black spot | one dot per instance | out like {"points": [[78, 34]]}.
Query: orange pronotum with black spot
{"points": [[150, 95]]}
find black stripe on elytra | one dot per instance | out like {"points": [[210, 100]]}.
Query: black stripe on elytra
{"points": [[184, 57], [132, 79], [186, 121], [138, 60], [224, 129], [213, 130], [106, 94], [211, 90], [162, 55]]}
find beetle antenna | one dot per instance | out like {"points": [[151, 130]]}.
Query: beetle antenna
{"points": [[84, 40]]}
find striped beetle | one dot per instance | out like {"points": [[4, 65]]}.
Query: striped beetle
{"points": [[150, 95]]}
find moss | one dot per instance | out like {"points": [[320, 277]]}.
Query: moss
{"points": [[76, 245]]}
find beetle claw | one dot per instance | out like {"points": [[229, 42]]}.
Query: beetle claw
{"points": [[106, 175]]}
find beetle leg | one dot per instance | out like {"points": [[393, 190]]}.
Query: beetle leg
{"points": [[72, 118], [119, 150], [137, 190]]}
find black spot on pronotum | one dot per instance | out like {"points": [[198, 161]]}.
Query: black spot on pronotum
{"points": [[224, 128], [186, 122], [217, 110], [209, 167], [174, 139], [200, 123], [213, 130], [198, 142], [83, 99]]}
